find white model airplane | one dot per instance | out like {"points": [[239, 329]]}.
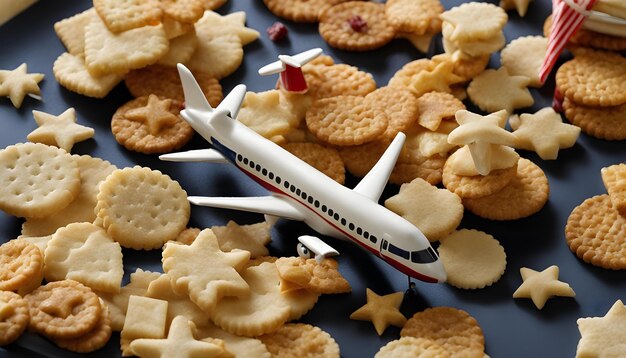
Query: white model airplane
{"points": [[301, 192], [289, 67]]}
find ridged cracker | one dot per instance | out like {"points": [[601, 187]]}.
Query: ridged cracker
{"points": [[412, 347], [614, 179], [321, 277], [252, 238], [92, 172], [21, 266], [413, 16], [475, 20], [400, 105], [494, 90], [71, 31], [299, 10], [85, 253], [601, 122], [330, 80], [436, 212], [596, 233], [434, 107], [186, 11], [265, 309], [161, 212], [124, 15], [453, 329], [325, 159], [523, 196], [594, 78], [524, 57], [472, 259], [14, 324], [63, 309], [336, 31], [71, 72], [298, 340], [92, 340], [108, 53], [478, 185], [37, 180]]}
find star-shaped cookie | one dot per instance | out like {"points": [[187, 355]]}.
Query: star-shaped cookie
{"points": [[545, 133], [438, 80], [381, 310], [155, 114], [233, 23], [61, 131], [520, 5], [494, 90], [179, 343], [540, 286], [603, 336], [17, 83]]}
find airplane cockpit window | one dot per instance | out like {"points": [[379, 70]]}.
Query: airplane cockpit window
{"points": [[424, 256], [398, 251]]}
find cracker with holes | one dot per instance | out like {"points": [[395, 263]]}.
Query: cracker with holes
{"points": [[92, 172], [416, 17], [21, 266], [204, 271], [85, 253], [251, 238], [161, 211], [123, 15], [265, 309], [37, 180], [265, 114], [321, 277], [436, 212], [330, 80], [412, 347]]}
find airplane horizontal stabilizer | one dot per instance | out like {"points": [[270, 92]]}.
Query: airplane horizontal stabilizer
{"points": [[200, 155], [270, 205]]}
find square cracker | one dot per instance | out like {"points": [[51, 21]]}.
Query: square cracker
{"points": [[123, 15]]}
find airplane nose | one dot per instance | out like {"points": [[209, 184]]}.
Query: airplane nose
{"points": [[437, 271]]}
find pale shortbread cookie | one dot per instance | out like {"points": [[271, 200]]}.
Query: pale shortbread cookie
{"points": [[233, 23], [540, 286], [453, 329], [178, 304], [21, 266], [614, 179], [436, 212], [71, 31], [107, 52], [603, 336], [471, 48], [545, 133], [298, 340], [218, 56], [175, 28], [181, 49], [462, 164], [411, 347], [14, 317], [179, 343], [382, 311], [265, 309], [414, 16], [163, 215], [524, 57], [472, 259], [85, 253], [427, 143], [123, 15], [251, 238], [494, 90], [118, 302], [92, 172], [60, 131], [37, 180], [145, 318], [325, 159], [321, 277], [71, 72], [475, 20], [265, 114], [205, 272], [434, 107], [237, 345], [16, 84]]}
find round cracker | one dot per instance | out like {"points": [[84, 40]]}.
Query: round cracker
{"points": [[601, 122], [13, 325], [472, 259], [338, 33], [21, 266], [596, 232], [300, 339], [525, 195], [404, 76], [326, 160], [414, 16], [92, 340], [587, 38], [159, 213], [453, 329], [400, 105], [477, 186], [299, 10], [37, 180], [412, 347], [330, 80]]}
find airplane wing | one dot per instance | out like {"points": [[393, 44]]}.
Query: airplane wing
{"points": [[232, 102], [272, 68], [374, 182], [200, 155], [306, 56], [270, 205]]}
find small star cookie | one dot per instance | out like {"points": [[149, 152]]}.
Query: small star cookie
{"points": [[603, 336], [17, 83], [494, 90], [155, 114], [381, 310], [540, 286], [545, 133], [61, 131]]}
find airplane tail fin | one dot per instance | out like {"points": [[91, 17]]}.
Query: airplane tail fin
{"points": [[194, 97]]}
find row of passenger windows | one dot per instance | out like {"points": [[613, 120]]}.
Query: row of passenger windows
{"points": [[330, 212]]}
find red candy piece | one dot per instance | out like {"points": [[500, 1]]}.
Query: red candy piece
{"points": [[277, 31], [357, 23]]}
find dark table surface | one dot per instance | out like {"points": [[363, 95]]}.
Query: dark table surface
{"points": [[512, 328]]}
